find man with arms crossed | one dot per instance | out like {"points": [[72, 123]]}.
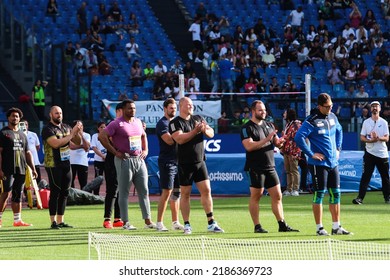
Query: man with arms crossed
{"points": [[375, 133], [130, 147], [325, 134], [167, 163], [187, 130], [258, 138]]}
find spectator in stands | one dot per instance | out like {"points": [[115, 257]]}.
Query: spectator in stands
{"points": [[158, 88], [354, 53], [288, 33], [195, 30], [350, 76], [355, 17], [250, 86], [334, 75], [369, 20], [341, 51], [330, 53], [377, 75], [80, 66], [201, 12], [236, 121], [362, 72], [79, 156], [361, 94], [303, 56], [115, 11], [361, 32], [263, 36], [188, 70], [52, 10], [322, 29], [224, 28], [177, 68], [238, 35], [69, 52], [148, 72], [97, 42], [192, 89], [196, 81], [296, 17], [347, 30], [316, 52], [274, 85], [136, 74], [268, 59], [225, 66], [325, 11], [91, 63], [344, 66], [132, 49], [171, 89], [349, 43], [82, 18], [105, 68], [277, 51], [103, 14], [160, 69], [382, 56], [132, 25], [215, 36], [95, 24], [251, 36]]}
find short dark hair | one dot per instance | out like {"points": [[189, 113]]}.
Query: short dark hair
{"points": [[254, 103], [99, 124], [323, 98], [14, 110], [127, 101], [169, 101], [119, 106]]}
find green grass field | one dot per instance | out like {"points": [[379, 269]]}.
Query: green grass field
{"points": [[369, 223]]}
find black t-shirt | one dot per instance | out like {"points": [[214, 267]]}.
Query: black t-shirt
{"points": [[263, 158], [167, 152], [192, 151], [56, 157], [15, 146]]}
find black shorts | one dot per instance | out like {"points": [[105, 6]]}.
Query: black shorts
{"points": [[189, 173], [324, 177], [198, 45], [169, 177], [263, 178], [15, 184]]}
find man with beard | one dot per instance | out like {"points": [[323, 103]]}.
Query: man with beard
{"points": [[375, 133], [130, 147], [14, 158], [258, 138], [167, 163], [56, 138]]}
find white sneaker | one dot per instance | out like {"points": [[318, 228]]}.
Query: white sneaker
{"points": [[190, 55], [187, 229], [286, 193], [322, 232], [214, 228], [128, 226], [295, 193], [161, 227], [177, 226], [197, 60], [341, 231], [150, 226]]}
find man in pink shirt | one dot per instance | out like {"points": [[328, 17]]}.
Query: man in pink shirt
{"points": [[130, 147]]}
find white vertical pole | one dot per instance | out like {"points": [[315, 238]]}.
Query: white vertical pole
{"points": [[307, 94], [181, 86]]}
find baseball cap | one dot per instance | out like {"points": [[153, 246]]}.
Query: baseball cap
{"points": [[375, 103]]}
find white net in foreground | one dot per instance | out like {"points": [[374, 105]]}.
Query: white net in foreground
{"points": [[130, 247]]}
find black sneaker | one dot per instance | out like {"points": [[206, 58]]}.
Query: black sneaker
{"points": [[54, 225], [63, 225], [260, 230], [284, 227], [357, 201]]}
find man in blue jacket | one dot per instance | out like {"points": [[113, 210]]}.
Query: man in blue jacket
{"points": [[325, 135]]}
